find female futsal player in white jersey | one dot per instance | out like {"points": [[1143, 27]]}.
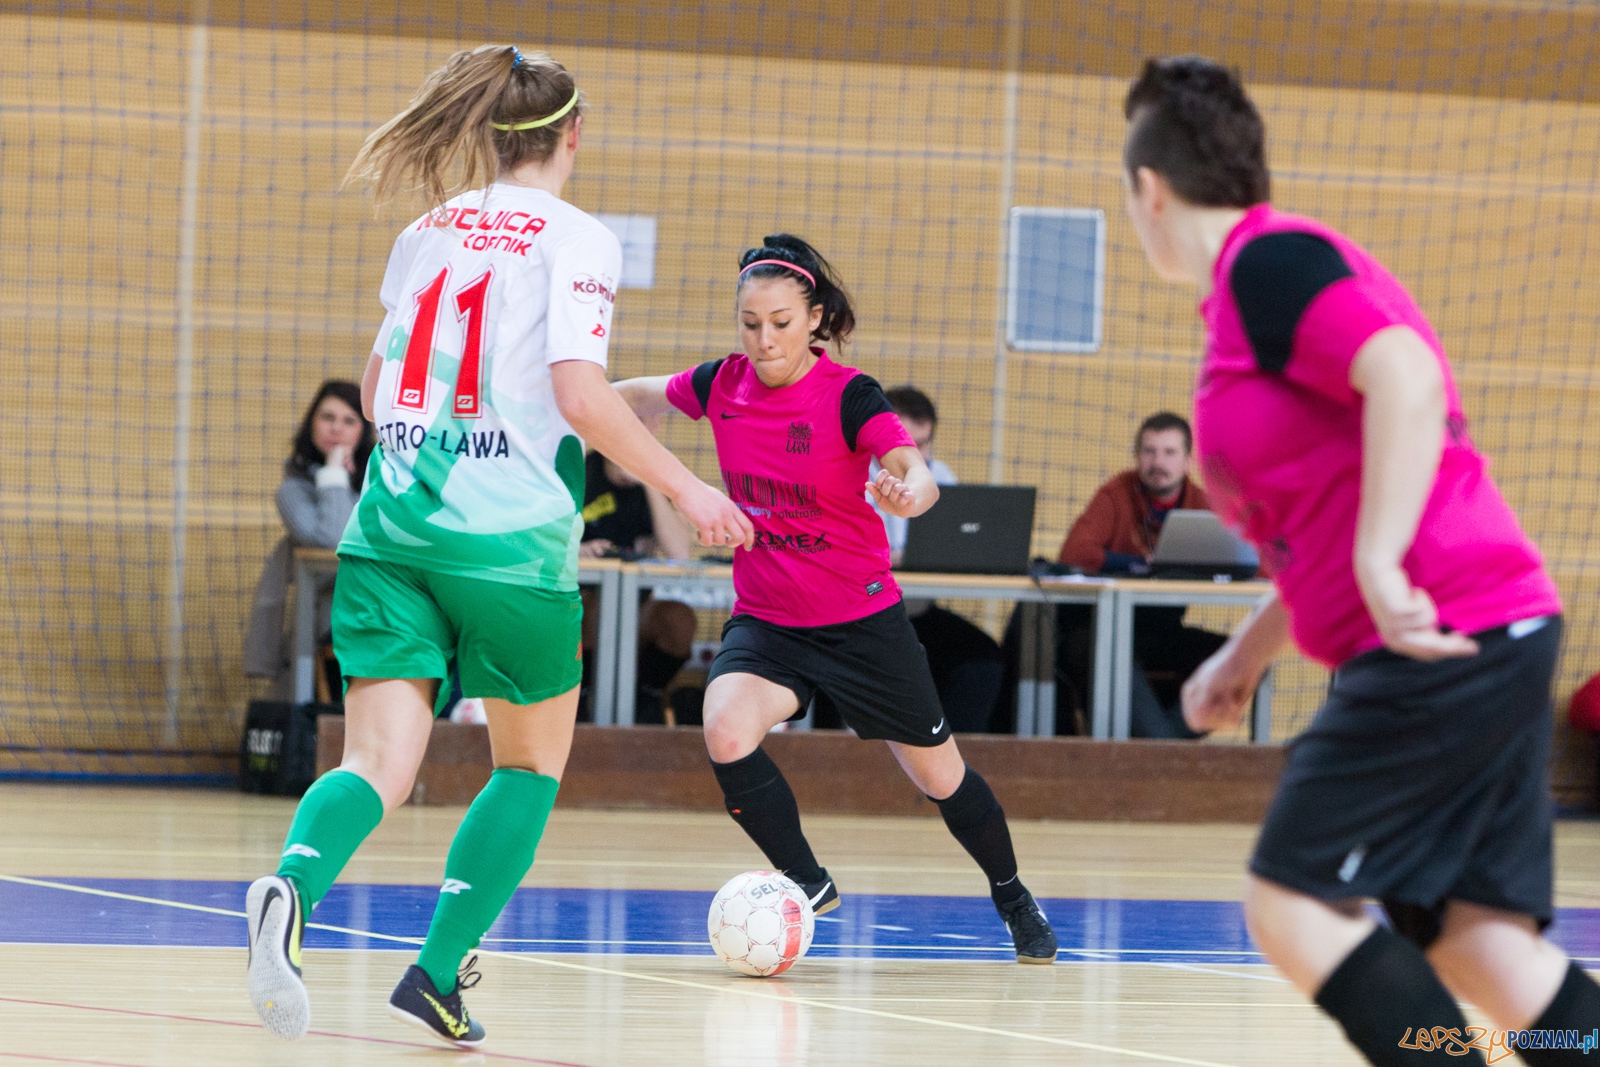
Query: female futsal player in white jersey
{"points": [[462, 553]]}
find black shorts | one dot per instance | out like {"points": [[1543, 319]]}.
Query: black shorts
{"points": [[873, 670], [1419, 783]]}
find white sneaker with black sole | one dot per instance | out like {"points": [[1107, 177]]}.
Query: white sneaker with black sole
{"points": [[275, 927]]}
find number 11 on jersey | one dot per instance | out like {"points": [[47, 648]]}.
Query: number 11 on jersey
{"points": [[416, 370]]}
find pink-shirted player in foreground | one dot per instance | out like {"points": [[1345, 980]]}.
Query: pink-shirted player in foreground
{"points": [[1331, 435], [818, 615]]}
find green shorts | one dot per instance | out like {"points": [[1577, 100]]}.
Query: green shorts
{"points": [[508, 641]]}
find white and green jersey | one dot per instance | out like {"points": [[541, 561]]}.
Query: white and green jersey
{"points": [[476, 472]]}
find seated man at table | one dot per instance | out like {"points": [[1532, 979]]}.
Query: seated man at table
{"points": [[965, 661], [624, 517], [1116, 535], [1118, 531]]}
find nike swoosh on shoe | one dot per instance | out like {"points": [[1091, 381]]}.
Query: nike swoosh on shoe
{"points": [[266, 905]]}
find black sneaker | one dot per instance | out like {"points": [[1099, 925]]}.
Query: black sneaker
{"points": [[1030, 930], [418, 1001], [275, 925], [823, 896]]}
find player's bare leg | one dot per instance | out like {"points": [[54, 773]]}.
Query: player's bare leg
{"points": [[1375, 983], [936, 771], [740, 709], [1302, 936], [1497, 961], [387, 724]]}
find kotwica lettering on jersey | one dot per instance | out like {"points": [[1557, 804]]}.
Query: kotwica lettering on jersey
{"points": [[476, 472]]}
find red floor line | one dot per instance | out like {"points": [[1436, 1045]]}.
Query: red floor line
{"points": [[41, 1057], [254, 1026]]}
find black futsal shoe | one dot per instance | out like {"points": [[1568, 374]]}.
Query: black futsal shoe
{"points": [[1030, 930], [418, 1001], [823, 896], [275, 923]]}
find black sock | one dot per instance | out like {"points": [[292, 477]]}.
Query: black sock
{"points": [[763, 805], [1383, 994], [1576, 1007], [975, 818]]}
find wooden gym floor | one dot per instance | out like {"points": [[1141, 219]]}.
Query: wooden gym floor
{"points": [[121, 945]]}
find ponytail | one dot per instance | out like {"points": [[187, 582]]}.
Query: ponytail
{"points": [[783, 255], [473, 119]]}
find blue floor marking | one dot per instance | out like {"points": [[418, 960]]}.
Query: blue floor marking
{"points": [[665, 922]]}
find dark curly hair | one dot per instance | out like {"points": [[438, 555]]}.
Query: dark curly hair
{"points": [[1191, 122], [838, 317], [306, 454]]}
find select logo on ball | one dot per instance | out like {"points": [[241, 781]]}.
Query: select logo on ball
{"points": [[760, 924]]}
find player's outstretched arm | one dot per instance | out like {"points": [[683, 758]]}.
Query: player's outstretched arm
{"points": [[646, 396], [1217, 693], [602, 417], [904, 487], [1402, 439]]}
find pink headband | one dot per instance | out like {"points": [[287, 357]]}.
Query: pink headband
{"points": [[780, 263]]}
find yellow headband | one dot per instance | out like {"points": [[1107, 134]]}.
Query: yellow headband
{"points": [[547, 120]]}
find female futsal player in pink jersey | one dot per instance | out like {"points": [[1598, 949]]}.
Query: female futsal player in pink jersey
{"points": [[818, 615], [1422, 782]]}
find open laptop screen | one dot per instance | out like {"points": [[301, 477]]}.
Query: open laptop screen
{"points": [[973, 529]]}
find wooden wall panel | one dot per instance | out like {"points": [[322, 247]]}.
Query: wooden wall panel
{"points": [[1485, 47], [1044, 778]]}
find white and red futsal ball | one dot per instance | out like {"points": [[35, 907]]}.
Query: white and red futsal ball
{"points": [[760, 924]]}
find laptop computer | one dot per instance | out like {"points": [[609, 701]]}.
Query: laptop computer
{"points": [[973, 529], [1194, 544]]}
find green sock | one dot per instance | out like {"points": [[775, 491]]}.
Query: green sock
{"points": [[334, 817], [491, 852]]}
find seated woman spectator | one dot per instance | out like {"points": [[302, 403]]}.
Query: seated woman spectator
{"points": [[322, 479], [624, 517]]}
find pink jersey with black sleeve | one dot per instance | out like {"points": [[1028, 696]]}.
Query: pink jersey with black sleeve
{"points": [[795, 461], [1278, 431]]}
